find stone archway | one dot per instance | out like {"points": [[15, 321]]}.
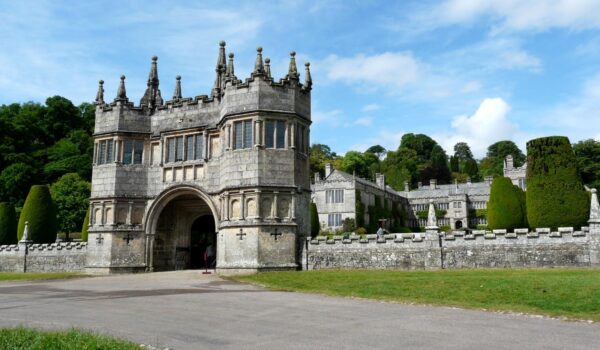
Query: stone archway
{"points": [[170, 244]]}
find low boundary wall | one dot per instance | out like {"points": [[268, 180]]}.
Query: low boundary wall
{"points": [[54, 257]]}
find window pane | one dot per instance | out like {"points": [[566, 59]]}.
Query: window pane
{"points": [[269, 131], [102, 152], [109, 151], [237, 131], [199, 146], [248, 134], [139, 151], [189, 155], [171, 150], [179, 148], [127, 152], [280, 134]]}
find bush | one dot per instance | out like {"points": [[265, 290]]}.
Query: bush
{"points": [[360, 211], [445, 228], [505, 207], [315, 226], [8, 224], [86, 222], [39, 210], [555, 193], [361, 231], [349, 225]]}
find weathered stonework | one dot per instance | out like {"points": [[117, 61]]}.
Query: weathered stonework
{"points": [[55, 257], [238, 156]]}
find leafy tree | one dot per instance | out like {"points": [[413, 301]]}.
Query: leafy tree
{"points": [[39, 210], [493, 163], [71, 154], [505, 207], [61, 117], [400, 166], [555, 194], [588, 160], [87, 112], [15, 181], [355, 162], [437, 167], [377, 150], [421, 144], [319, 155], [8, 224], [462, 151], [348, 225], [71, 194], [454, 167], [84, 227], [471, 169]]}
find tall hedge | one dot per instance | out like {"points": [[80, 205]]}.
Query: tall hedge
{"points": [[84, 227], [555, 193], [8, 224], [315, 226], [505, 208], [39, 210]]}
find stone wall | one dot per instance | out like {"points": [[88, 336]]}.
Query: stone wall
{"points": [[480, 249], [55, 257]]}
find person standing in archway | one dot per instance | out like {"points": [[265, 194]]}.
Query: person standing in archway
{"points": [[210, 255]]}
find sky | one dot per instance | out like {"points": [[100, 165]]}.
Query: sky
{"points": [[457, 70]]}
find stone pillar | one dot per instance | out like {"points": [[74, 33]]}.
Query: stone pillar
{"points": [[243, 205], [257, 133], [227, 206], [228, 137], [258, 204], [205, 148], [293, 206], [274, 205], [293, 135], [24, 246], [103, 216], [129, 213], [594, 223]]}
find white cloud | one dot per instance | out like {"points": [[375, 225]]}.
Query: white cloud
{"points": [[518, 15], [389, 139], [371, 107], [364, 121], [487, 125], [332, 117]]}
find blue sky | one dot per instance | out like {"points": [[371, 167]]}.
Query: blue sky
{"points": [[462, 70]]}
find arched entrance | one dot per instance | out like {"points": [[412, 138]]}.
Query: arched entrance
{"points": [[181, 227]]}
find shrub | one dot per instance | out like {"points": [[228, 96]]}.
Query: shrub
{"points": [[555, 194], [445, 228], [39, 210], [8, 224], [315, 226], [505, 208], [360, 211], [349, 225], [361, 231], [86, 222]]}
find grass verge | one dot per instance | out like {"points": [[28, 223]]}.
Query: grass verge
{"points": [[31, 339], [571, 293], [20, 276]]}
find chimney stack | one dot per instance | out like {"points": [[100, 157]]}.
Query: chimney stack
{"points": [[433, 184], [380, 180], [406, 186], [328, 169]]}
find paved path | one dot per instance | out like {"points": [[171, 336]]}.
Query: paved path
{"points": [[188, 310]]}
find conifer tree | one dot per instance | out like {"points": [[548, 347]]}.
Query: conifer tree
{"points": [[39, 210], [315, 226], [505, 208]]}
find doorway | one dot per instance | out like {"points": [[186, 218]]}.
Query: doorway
{"points": [[203, 238]]}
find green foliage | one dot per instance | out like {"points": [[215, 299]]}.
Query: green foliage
{"points": [[377, 150], [493, 163], [505, 207], [462, 151], [319, 155], [25, 338], [15, 181], [471, 169], [437, 167], [360, 211], [71, 195], [39, 210], [315, 226], [588, 161], [86, 223], [555, 194], [445, 228], [364, 165], [361, 231], [424, 214], [348, 225], [454, 167], [8, 224]]}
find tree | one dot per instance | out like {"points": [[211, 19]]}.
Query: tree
{"points": [[319, 155], [84, 227], [505, 208], [588, 160], [15, 181], [355, 162], [462, 151], [39, 210], [471, 169], [493, 163], [315, 226], [454, 167], [377, 150], [437, 168], [8, 224], [400, 166], [421, 144], [71, 194], [555, 194]]}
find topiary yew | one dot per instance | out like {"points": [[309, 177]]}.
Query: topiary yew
{"points": [[505, 208], [84, 227], [39, 210], [555, 193], [8, 224], [315, 226]]}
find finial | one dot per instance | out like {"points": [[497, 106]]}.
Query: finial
{"points": [[222, 43], [100, 93], [152, 96], [230, 72], [258, 65], [293, 70], [307, 76], [431, 218], [268, 68], [25, 237], [177, 92], [220, 71], [594, 208], [121, 92]]}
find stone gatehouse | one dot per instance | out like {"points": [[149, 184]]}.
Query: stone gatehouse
{"points": [[228, 170]]}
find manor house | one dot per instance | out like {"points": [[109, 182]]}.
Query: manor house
{"points": [[228, 171]]}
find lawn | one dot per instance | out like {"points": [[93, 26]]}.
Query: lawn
{"points": [[20, 276], [571, 293], [30, 339]]}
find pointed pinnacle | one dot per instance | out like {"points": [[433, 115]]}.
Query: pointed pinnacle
{"points": [[268, 68], [307, 77], [258, 65], [177, 92], [121, 93], [293, 70], [100, 93], [230, 73]]}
